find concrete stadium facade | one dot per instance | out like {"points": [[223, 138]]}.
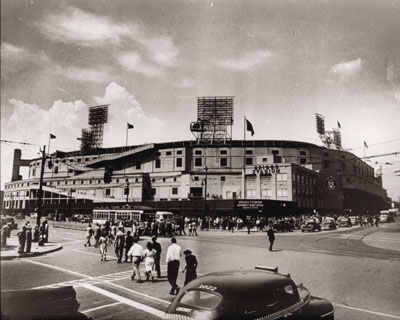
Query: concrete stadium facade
{"points": [[264, 177]]}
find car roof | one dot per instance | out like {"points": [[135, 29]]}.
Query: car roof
{"points": [[240, 281]]}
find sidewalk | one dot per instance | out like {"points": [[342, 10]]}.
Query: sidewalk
{"points": [[10, 251]]}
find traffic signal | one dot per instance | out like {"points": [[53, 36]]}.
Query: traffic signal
{"points": [[108, 174]]}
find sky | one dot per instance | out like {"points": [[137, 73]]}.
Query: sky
{"points": [[283, 61]]}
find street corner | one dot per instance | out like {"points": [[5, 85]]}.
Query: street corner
{"points": [[11, 251]]}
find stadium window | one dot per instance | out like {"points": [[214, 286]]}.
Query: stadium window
{"points": [[303, 153], [222, 178], [55, 170], [249, 151], [98, 181], [168, 153], [158, 163], [174, 190], [223, 152], [198, 152], [136, 180], [179, 152], [275, 151], [153, 191], [126, 180], [249, 161], [71, 160], [223, 162], [178, 162], [326, 154], [108, 192], [64, 161], [78, 160], [163, 179], [138, 165], [174, 179], [117, 181], [326, 164], [281, 177], [196, 178], [303, 161], [198, 162]]}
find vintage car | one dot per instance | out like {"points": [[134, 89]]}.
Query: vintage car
{"points": [[282, 226], [328, 223], [262, 293], [311, 227]]}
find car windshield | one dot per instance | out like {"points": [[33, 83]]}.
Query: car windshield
{"points": [[201, 299]]}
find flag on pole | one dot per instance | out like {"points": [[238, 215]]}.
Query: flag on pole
{"points": [[365, 144], [52, 136], [130, 126], [249, 127], [338, 124]]}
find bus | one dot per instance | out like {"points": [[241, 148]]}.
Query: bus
{"points": [[127, 215]]}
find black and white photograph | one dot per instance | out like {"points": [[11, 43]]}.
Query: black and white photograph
{"points": [[200, 159]]}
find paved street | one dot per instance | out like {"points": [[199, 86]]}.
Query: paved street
{"points": [[356, 269]]}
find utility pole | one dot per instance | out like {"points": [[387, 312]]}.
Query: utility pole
{"points": [[40, 194], [205, 193], [127, 192]]}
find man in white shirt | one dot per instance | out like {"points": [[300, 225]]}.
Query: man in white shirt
{"points": [[136, 251], [173, 260]]}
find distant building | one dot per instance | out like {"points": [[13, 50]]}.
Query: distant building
{"points": [[281, 177]]}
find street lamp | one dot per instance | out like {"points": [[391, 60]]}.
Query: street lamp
{"points": [[205, 192]]}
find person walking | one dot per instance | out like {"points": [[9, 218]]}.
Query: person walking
{"points": [[136, 252], [194, 227], [119, 244], [191, 266], [157, 257], [28, 239], [96, 233], [271, 237], [89, 234], [103, 247], [149, 258], [128, 245], [173, 260], [5, 233], [21, 240]]}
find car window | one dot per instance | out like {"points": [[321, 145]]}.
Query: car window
{"points": [[201, 299]]}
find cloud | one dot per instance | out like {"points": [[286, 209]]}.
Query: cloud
{"points": [[99, 75], [246, 62], [86, 29], [134, 62], [125, 108], [185, 83], [8, 48], [345, 71]]}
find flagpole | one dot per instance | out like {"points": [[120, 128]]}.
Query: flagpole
{"points": [[126, 142], [48, 150], [244, 158]]}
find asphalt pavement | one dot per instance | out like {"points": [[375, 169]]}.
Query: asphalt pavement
{"points": [[356, 269]]}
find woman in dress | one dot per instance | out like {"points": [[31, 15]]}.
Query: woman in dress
{"points": [[191, 266], [149, 254], [103, 247]]}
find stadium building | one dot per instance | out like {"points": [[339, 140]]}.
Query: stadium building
{"points": [[212, 174]]}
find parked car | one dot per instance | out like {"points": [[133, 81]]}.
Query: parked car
{"points": [[311, 227], [343, 222], [262, 293], [328, 224], [9, 220], [282, 226], [383, 218], [355, 220]]}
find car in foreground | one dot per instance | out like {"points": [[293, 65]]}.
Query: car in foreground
{"points": [[261, 293], [328, 224], [311, 227], [282, 226]]}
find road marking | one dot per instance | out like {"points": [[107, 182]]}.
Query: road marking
{"points": [[364, 310], [127, 301], [138, 293], [101, 307], [382, 240], [95, 254], [57, 268]]}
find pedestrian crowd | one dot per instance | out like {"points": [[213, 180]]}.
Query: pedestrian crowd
{"points": [[127, 249]]}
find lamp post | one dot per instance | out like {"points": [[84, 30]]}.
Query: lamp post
{"points": [[127, 192], [205, 193]]}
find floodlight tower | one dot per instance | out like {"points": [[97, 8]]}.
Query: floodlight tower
{"points": [[214, 120], [330, 139], [92, 138]]}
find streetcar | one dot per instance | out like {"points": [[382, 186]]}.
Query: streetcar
{"points": [[127, 215]]}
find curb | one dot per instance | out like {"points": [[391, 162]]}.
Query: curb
{"points": [[30, 255]]}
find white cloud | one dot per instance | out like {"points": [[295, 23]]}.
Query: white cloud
{"points": [[99, 75], [32, 124], [185, 83], [78, 26], [161, 50], [245, 62], [125, 108], [134, 62], [8, 48], [345, 71]]}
